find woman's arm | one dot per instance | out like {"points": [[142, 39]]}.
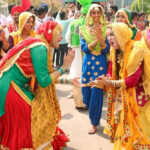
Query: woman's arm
{"points": [[133, 80], [39, 60], [87, 48], [106, 48]]}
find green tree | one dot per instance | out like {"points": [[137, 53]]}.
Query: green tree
{"points": [[137, 5]]}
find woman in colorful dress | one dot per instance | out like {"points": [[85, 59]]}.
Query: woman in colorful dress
{"points": [[95, 46], [123, 15], [26, 28], [19, 127], [128, 114]]}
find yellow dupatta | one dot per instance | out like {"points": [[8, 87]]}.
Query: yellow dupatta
{"points": [[127, 134], [46, 112]]}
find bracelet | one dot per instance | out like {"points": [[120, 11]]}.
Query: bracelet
{"points": [[90, 47], [64, 67], [60, 70], [67, 81], [61, 81], [103, 46], [115, 83]]}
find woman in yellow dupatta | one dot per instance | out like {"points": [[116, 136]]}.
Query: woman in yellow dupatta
{"points": [[129, 92], [123, 15], [26, 28]]}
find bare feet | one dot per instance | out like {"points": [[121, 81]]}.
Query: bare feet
{"points": [[92, 130]]}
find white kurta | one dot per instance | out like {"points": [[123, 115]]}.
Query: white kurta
{"points": [[76, 66]]}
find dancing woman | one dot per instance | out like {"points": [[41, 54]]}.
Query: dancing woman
{"points": [[95, 46], [21, 128], [128, 114]]}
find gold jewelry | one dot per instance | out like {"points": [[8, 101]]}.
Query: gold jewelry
{"points": [[64, 67], [96, 8], [103, 46]]}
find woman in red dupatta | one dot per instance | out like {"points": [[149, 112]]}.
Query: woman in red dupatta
{"points": [[21, 128]]}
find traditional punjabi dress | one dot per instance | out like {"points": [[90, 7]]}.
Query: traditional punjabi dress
{"points": [[19, 127], [94, 65], [136, 33], [128, 114], [23, 18], [12, 27]]}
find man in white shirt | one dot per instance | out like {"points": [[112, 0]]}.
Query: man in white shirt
{"points": [[42, 15]]}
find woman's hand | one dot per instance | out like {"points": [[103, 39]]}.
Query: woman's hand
{"points": [[76, 82], [99, 33], [101, 81], [2, 35], [68, 59]]}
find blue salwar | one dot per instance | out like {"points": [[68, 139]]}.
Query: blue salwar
{"points": [[92, 67]]}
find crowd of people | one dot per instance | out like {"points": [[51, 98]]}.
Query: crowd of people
{"points": [[105, 50]]}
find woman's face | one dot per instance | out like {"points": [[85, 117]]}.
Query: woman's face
{"points": [[106, 17], [55, 42], [96, 14], [121, 18], [29, 24], [112, 39], [78, 15]]}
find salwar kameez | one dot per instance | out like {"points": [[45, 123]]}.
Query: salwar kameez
{"points": [[92, 67], [17, 124]]}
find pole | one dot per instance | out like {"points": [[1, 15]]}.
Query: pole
{"points": [[142, 5], [122, 4]]}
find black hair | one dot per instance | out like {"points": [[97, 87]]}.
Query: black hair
{"points": [[114, 7], [55, 14], [107, 14], [134, 14], [62, 15], [31, 7], [40, 11], [10, 7], [141, 14]]}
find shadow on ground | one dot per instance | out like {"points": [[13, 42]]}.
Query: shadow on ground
{"points": [[69, 148], [62, 93], [99, 132], [67, 116]]}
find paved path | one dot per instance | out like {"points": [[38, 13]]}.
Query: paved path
{"points": [[76, 125]]}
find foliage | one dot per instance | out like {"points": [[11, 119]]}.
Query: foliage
{"points": [[137, 5]]}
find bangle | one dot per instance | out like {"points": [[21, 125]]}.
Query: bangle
{"points": [[60, 70], [64, 68], [61, 81], [116, 83], [67, 81], [103, 46], [90, 47]]}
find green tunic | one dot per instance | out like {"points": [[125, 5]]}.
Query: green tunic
{"points": [[39, 60]]}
